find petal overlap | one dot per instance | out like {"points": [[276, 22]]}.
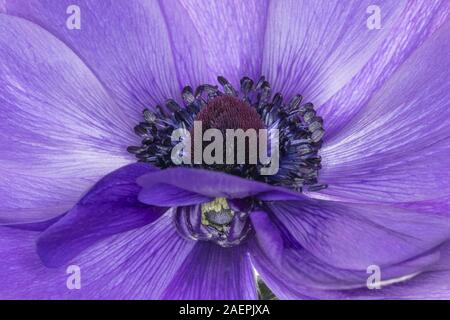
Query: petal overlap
{"points": [[212, 184], [137, 264], [110, 207], [355, 236]]}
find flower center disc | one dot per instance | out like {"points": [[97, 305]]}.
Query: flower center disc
{"points": [[227, 112]]}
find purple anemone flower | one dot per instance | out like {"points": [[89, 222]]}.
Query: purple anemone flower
{"points": [[91, 206]]}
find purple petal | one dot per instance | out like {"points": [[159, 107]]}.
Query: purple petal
{"points": [[162, 194], [212, 38], [214, 273], [429, 206], [430, 284], [301, 275], [37, 226], [397, 150], [416, 23], [315, 47], [433, 284], [138, 264], [60, 130], [126, 44], [267, 235], [110, 207], [213, 184], [277, 194], [354, 236]]}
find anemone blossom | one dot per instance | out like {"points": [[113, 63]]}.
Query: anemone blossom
{"points": [[87, 185]]}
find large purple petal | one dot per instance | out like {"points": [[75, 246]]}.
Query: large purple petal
{"points": [[126, 44], [138, 264], [315, 47], [60, 130], [267, 235], [355, 236], [301, 275], [214, 273], [430, 206], [429, 284], [162, 194], [37, 226], [416, 23], [433, 284], [397, 150], [110, 207], [213, 184], [212, 38]]}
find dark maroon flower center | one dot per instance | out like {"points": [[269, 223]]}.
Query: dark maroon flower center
{"points": [[228, 112]]}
